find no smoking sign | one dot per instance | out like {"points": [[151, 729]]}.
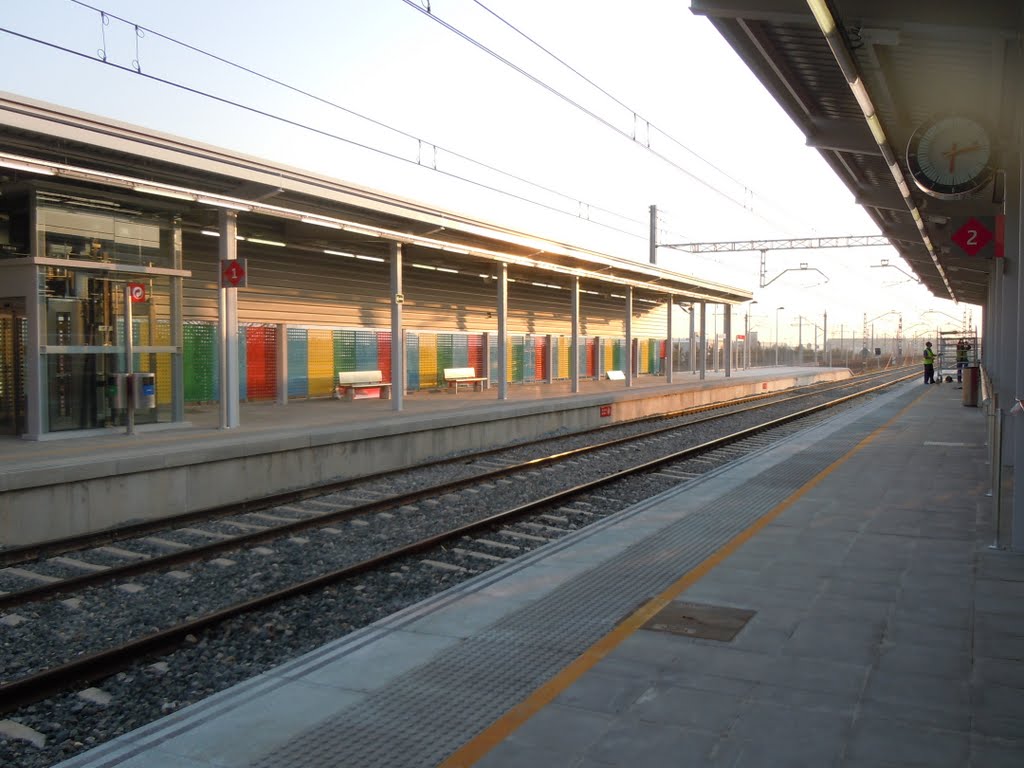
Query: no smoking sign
{"points": [[137, 292]]}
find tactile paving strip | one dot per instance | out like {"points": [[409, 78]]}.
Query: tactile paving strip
{"points": [[424, 716]]}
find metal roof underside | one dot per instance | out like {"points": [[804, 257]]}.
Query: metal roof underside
{"points": [[54, 134], [916, 58]]}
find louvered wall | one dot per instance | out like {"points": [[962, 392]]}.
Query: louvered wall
{"points": [[301, 288]]}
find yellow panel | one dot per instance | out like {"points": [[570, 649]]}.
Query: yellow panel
{"points": [[564, 349], [428, 360], [320, 364], [163, 378], [645, 346], [609, 355]]}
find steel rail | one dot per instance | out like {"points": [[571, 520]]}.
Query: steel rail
{"points": [[95, 666], [155, 563]]}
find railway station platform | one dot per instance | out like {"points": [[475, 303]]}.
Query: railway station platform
{"points": [[831, 600], [107, 478]]}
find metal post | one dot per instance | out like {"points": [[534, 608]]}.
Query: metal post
{"points": [[727, 330], [574, 342], [629, 336], [693, 340], [502, 301], [703, 340], [129, 359], [228, 325], [177, 359], [997, 476], [800, 340], [668, 343], [654, 234], [397, 336], [282, 364]]}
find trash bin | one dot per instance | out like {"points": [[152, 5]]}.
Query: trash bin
{"points": [[972, 383]]}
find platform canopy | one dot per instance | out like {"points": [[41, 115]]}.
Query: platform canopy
{"points": [[860, 91], [301, 209]]}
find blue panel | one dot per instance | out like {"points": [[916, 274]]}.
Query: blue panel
{"points": [[243, 356], [366, 351], [529, 360], [492, 355], [298, 363], [412, 360], [460, 351]]}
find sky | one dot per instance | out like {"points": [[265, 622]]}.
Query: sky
{"points": [[671, 117]]}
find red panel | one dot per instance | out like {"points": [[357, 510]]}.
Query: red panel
{"points": [[590, 359], [384, 356], [261, 362], [476, 353], [540, 358]]}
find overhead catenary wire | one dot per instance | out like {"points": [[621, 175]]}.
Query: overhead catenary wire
{"points": [[136, 68], [636, 114], [590, 113]]}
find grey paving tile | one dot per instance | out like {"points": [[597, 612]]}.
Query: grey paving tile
{"points": [[880, 591], [726, 661], [928, 661], [820, 675], [565, 729], [843, 640], [882, 741], [999, 710], [689, 707], [638, 744], [605, 693], [1000, 622], [902, 631], [788, 753], [659, 648], [998, 645], [996, 753], [950, 700], [513, 754], [775, 725], [826, 701], [999, 671], [844, 608]]}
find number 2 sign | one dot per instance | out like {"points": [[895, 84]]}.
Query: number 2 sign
{"points": [[974, 234]]}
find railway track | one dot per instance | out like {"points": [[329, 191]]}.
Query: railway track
{"points": [[42, 571], [456, 528]]}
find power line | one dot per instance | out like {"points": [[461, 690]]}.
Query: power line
{"points": [[635, 113], [136, 68], [590, 113]]}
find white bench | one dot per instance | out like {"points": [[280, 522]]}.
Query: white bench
{"points": [[615, 376], [354, 385], [455, 376]]}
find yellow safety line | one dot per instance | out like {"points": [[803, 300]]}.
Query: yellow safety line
{"points": [[503, 727]]}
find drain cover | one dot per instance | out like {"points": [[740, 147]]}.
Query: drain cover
{"points": [[710, 622]]}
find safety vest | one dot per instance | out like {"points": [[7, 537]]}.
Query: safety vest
{"points": [[929, 356]]}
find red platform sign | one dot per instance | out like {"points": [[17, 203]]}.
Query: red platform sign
{"points": [[973, 236], [137, 292], [233, 273], [606, 411]]}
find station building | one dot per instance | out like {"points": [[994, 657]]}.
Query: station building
{"points": [[336, 278]]}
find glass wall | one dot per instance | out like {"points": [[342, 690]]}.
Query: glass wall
{"points": [[82, 311]]}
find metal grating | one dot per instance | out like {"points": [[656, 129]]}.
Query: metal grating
{"points": [[430, 712]]}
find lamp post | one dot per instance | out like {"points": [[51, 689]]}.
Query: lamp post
{"points": [[746, 335], [777, 335]]}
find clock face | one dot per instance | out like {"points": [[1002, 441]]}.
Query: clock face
{"points": [[950, 157]]}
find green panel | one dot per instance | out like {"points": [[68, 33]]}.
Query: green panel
{"points": [[344, 350], [200, 362]]}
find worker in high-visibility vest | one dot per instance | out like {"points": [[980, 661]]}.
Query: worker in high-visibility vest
{"points": [[929, 364]]}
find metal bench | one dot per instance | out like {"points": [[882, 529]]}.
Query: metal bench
{"points": [[455, 376], [357, 385]]}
